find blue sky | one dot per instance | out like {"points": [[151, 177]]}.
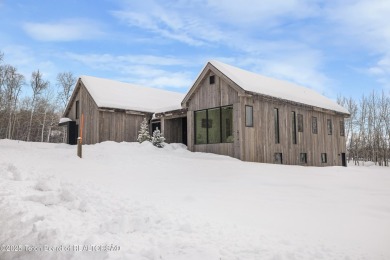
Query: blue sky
{"points": [[335, 47]]}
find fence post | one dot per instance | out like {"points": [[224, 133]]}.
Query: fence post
{"points": [[80, 147], [80, 139]]}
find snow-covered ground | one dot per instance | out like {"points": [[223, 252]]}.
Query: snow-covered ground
{"points": [[136, 201]]}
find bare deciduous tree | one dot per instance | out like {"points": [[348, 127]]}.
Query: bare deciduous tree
{"points": [[37, 86], [65, 82]]}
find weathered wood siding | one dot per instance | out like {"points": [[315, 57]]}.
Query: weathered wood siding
{"points": [[101, 125], [88, 107], [172, 129], [258, 142], [119, 126], [209, 96]]}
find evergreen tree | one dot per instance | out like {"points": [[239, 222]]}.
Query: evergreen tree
{"points": [[143, 134], [158, 139]]}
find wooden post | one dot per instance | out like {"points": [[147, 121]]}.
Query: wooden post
{"points": [[80, 147], [80, 139]]}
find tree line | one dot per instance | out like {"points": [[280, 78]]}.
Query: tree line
{"points": [[35, 116], [30, 109], [368, 129]]}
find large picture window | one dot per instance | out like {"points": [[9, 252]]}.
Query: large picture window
{"points": [[214, 125]]}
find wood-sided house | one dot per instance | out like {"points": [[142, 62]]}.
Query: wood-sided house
{"points": [[238, 113], [227, 111], [113, 111]]}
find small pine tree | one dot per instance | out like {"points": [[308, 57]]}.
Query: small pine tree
{"points": [[143, 134], [158, 138]]}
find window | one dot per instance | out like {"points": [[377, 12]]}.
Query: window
{"points": [[300, 123], [276, 123], [248, 116], [278, 159], [212, 79], [329, 124], [293, 127], [227, 124], [201, 127], [214, 125], [324, 158], [342, 128], [314, 127], [77, 110], [303, 158]]}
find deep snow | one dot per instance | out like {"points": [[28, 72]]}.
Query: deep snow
{"points": [[173, 204]]}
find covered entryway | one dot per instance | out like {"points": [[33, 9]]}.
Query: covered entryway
{"points": [[71, 131]]}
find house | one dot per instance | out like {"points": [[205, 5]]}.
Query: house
{"points": [[227, 111], [114, 110], [254, 118]]}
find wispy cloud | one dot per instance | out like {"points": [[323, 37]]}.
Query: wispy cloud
{"points": [[148, 70], [67, 30], [367, 23]]}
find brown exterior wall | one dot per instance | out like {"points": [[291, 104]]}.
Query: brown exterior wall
{"points": [[209, 96], [119, 126], [257, 143], [172, 129], [101, 125]]}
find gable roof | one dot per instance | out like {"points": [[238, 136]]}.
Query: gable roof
{"points": [[252, 82], [119, 95]]}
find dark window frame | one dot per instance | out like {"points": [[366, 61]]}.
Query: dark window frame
{"points": [[329, 126], [293, 127], [278, 155], [300, 123], [212, 79], [324, 158], [246, 116], [207, 128], [314, 125], [77, 109], [303, 158], [342, 128], [276, 125]]}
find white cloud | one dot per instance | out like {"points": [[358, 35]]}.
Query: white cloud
{"points": [[148, 70], [67, 30], [266, 13], [367, 23]]}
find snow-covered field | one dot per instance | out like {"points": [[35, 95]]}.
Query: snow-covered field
{"points": [[132, 201]]}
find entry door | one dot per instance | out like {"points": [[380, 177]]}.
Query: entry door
{"points": [[343, 160], [184, 130]]}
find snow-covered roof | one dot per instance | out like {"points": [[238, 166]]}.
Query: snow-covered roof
{"points": [[64, 120], [253, 82], [114, 94]]}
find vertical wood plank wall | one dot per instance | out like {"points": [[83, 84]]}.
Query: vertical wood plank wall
{"points": [[257, 143], [209, 96], [259, 140], [100, 126], [119, 126], [173, 130]]}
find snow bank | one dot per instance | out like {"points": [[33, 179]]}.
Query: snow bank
{"points": [[136, 201]]}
